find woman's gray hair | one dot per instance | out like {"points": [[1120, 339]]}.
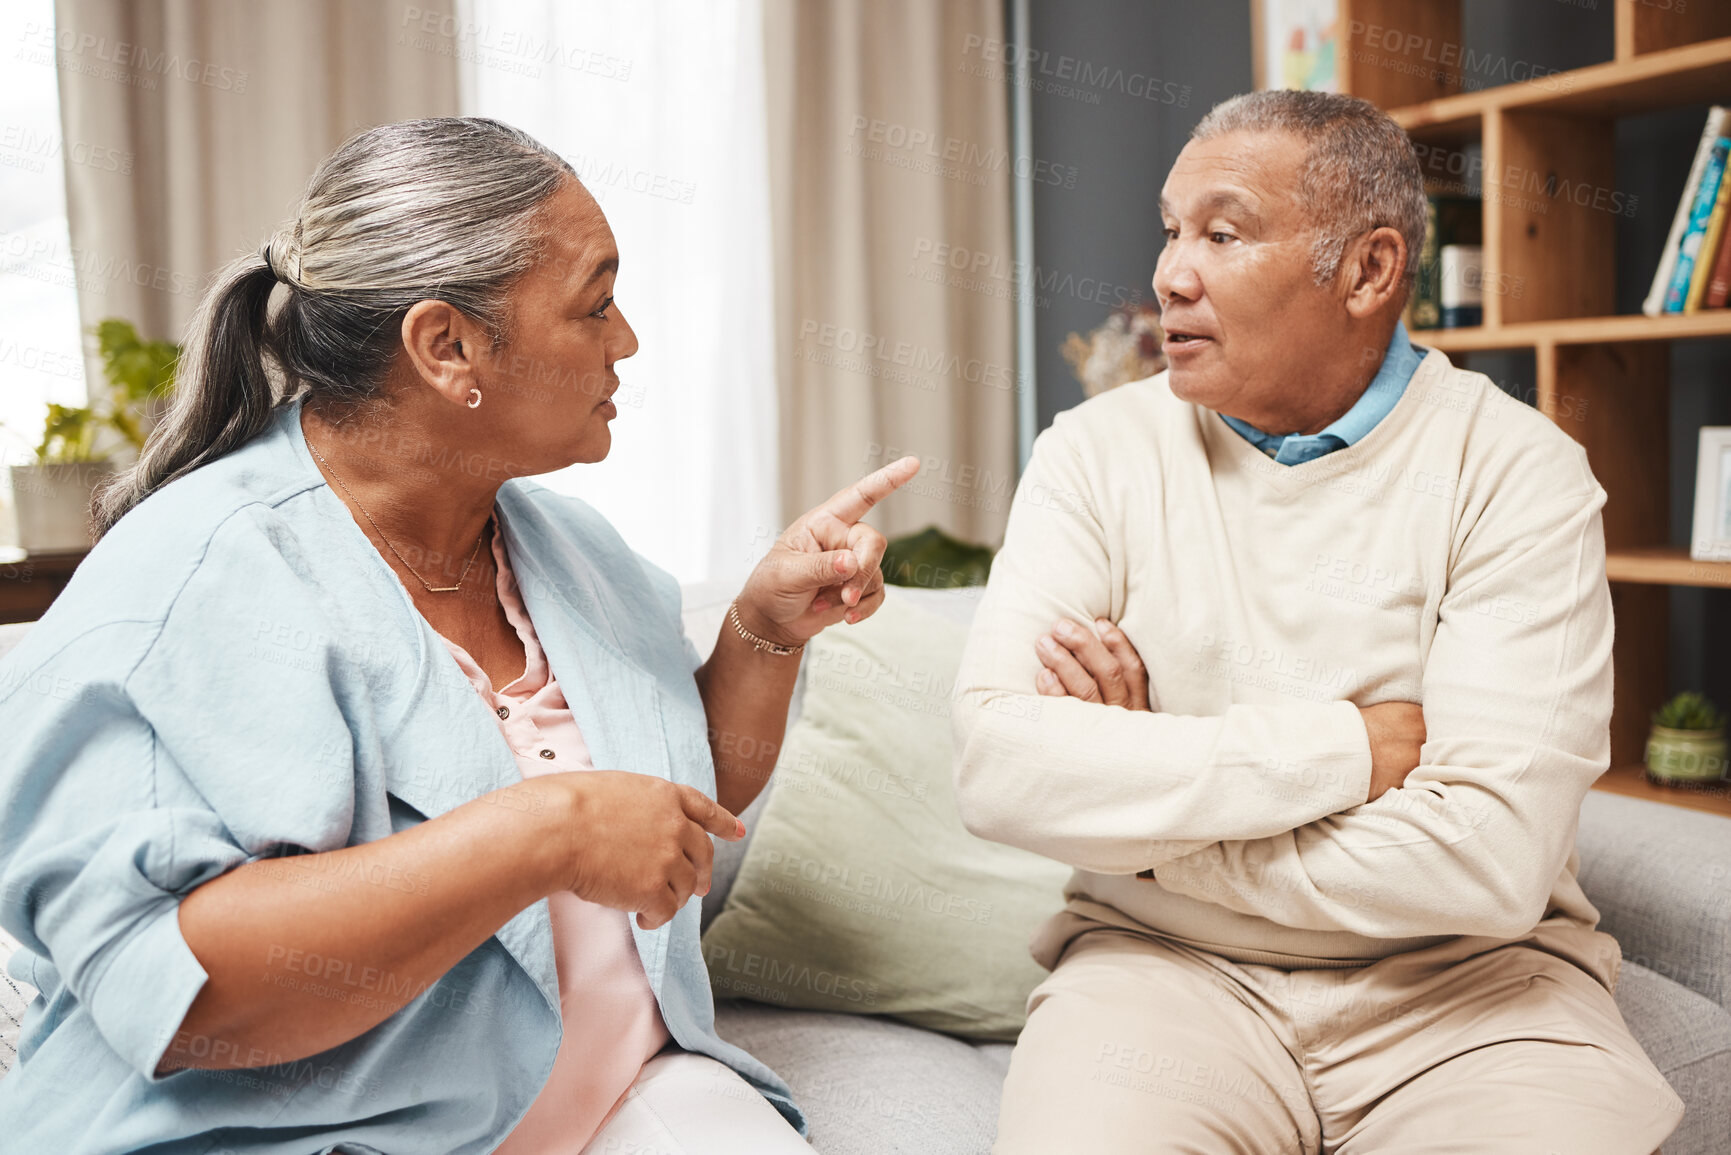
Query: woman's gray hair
{"points": [[443, 208], [1361, 172]]}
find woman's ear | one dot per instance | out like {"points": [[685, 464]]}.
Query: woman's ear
{"points": [[440, 342]]}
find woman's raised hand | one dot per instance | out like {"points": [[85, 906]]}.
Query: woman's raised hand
{"points": [[824, 568], [633, 842]]}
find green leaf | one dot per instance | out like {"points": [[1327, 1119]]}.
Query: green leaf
{"points": [[137, 370], [934, 559], [1689, 711], [139, 373], [68, 434]]}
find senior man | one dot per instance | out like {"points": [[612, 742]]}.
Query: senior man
{"points": [[1318, 638]]}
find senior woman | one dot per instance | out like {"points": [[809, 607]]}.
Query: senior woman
{"points": [[333, 781]]}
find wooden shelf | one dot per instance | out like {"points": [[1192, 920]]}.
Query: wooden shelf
{"points": [[1551, 206], [1692, 74], [1673, 567], [29, 582], [1577, 331], [1632, 782]]}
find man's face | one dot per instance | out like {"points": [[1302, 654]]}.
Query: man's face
{"points": [[1242, 311]]}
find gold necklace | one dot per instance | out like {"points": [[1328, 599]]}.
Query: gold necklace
{"points": [[429, 588]]}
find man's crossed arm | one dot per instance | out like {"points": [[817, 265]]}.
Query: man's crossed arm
{"points": [[1469, 838], [1098, 664]]}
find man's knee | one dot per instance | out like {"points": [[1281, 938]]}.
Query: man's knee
{"points": [[1120, 1047]]}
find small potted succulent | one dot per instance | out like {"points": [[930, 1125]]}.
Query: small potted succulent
{"points": [[51, 496], [1687, 743]]}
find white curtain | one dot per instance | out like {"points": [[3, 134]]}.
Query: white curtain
{"points": [[216, 114], [891, 162], [659, 106]]}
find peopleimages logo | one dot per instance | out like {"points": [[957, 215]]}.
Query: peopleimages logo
{"points": [[956, 151], [76, 48], [904, 893], [742, 972], [1068, 76]]}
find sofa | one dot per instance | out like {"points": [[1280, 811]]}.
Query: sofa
{"points": [[1659, 875]]}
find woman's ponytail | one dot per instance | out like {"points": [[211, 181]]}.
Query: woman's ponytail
{"points": [[222, 394]]}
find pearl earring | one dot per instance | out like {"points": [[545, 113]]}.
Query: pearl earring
{"points": [[474, 398]]}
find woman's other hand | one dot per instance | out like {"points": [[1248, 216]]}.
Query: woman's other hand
{"points": [[824, 568], [635, 842]]}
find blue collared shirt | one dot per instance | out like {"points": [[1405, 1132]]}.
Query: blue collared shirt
{"points": [[1398, 365]]}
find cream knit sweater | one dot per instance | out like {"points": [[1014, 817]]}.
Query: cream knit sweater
{"points": [[1454, 556]]}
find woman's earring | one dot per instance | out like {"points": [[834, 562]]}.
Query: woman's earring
{"points": [[474, 398]]}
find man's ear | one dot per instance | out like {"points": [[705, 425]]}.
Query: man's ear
{"points": [[444, 346], [1374, 269]]}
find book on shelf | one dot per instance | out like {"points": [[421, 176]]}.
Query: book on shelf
{"points": [[1449, 221], [1664, 278], [1719, 278], [1710, 242], [1700, 213], [1461, 285]]}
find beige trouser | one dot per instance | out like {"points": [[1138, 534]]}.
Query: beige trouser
{"points": [[1138, 1044]]}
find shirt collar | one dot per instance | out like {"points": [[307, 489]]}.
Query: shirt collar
{"points": [[1399, 363]]}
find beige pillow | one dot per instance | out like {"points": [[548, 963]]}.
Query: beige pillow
{"points": [[860, 890]]}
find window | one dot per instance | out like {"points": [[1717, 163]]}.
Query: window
{"points": [[659, 107], [41, 351]]}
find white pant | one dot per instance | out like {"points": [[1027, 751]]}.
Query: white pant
{"points": [[686, 1104]]}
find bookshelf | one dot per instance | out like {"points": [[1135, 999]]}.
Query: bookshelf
{"points": [[1605, 379]]}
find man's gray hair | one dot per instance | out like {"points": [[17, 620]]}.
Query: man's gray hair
{"points": [[1361, 173]]}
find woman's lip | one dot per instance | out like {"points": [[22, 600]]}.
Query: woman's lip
{"points": [[607, 409]]}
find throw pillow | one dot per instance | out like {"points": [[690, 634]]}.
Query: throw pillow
{"points": [[860, 890]]}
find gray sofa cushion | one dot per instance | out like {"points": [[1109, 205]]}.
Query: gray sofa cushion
{"points": [[1688, 1037], [872, 1086], [1661, 878]]}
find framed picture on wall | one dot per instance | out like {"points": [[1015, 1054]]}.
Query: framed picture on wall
{"points": [[1711, 540], [1296, 44]]}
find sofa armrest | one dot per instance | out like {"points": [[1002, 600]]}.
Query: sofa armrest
{"points": [[1661, 878]]}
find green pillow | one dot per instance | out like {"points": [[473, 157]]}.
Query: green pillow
{"points": [[860, 890]]}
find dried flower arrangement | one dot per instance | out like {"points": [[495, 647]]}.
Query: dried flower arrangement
{"points": [[1125, 348]]}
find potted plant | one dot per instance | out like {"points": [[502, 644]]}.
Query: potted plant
{"points": [[51, 496], [1687, 742], [934, 559]]}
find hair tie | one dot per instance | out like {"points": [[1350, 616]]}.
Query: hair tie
{"points": [[269, 260], [285, 267]]}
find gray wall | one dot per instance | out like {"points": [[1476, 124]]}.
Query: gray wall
{"points": [[1096, 237], [1100, 237]]}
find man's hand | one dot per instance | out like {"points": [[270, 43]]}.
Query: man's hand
{"points": [[824, 568], [1396, 731], [1095, 663]]}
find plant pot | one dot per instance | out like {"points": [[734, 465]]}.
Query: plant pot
{"points": [[1685, 757], [52, 504]]}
